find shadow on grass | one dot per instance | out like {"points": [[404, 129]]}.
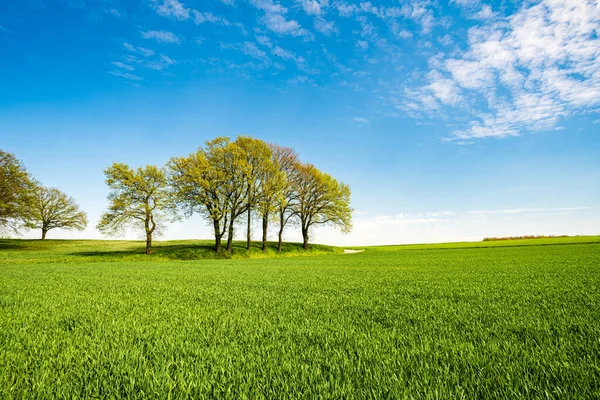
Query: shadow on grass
{"points": [[15, 244], [200, 251]]}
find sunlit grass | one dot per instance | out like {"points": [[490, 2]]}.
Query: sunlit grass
{"points": [[491, 322]]}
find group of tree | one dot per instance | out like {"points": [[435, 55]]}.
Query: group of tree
{"points": [[25, 203], [227, 182]]}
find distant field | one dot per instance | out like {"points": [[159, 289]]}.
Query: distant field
{"points": [[465, 320]]}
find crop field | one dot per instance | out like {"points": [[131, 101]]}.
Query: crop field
{"points": [[503, 319]]}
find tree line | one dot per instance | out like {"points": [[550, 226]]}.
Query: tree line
{"points": [[228, 182]]}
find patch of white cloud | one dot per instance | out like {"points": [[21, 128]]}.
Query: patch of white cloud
{"points": [[531, 69], [172, 9], [125, 75], [208, 17], [123, 66], [140, 50], [327, 28], [161, 36]]}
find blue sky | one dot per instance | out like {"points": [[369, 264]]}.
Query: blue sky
{"points": [[450, 120]]}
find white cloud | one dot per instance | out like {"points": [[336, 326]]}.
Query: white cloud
{"points": [[250, 49], [202, 17], [485, 13], [279, 24], [268, 6], [286, 54], [361, 120], [325, 27], [310, 7], [161, 63], [161, 36], [465, 3], [531, 69], [173, 9], [140, 50], [264, 40], [123, 66], [125, 75]]}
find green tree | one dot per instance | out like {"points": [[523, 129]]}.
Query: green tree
{"points": [[260, 172], [137, 198], [286, 160], [51, 209], [16, 189], [321, 200], [212, 182]]}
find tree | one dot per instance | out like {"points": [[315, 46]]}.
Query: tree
{"points": [[137, 198], [261, 169], [286, 160], [212, 182], [51, 209], [16, 189], [321, 200]]}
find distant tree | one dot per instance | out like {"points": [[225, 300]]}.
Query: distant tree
{"points": [[212, 182], [137, 198], [286, 160], [16, 189], [50, 209], [320, 199], [260, 171]]}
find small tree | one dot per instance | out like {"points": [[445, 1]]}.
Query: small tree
{"points": [[321, 200], [137, 197], [16, 189], [51, 209]]}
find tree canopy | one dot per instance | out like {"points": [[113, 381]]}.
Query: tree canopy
{"points": [[321, 200], [16, 190], [137, 198], [50, 209]]}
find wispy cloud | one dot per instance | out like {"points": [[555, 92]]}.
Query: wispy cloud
{"points": [[361, 120], [202, 17], [161, 36], [125, 75], [325, 27], [531, 69], [140, 50], [172, 9], [123, 66]]}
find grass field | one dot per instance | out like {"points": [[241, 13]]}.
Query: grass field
{"points": [[504, 319]]}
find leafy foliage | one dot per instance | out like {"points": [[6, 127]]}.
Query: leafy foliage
{"points": [[137, 197], [16, 189], [320, 199], [51, 209]]}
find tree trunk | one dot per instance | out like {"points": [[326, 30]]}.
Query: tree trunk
{"points": [[280, 232], [305, 238], [44, 231], [148, 243], [217, 236], [248, 233], [230, 237], [265, 226]]}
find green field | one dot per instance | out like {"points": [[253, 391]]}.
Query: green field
{"points": [[501, 319]]}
